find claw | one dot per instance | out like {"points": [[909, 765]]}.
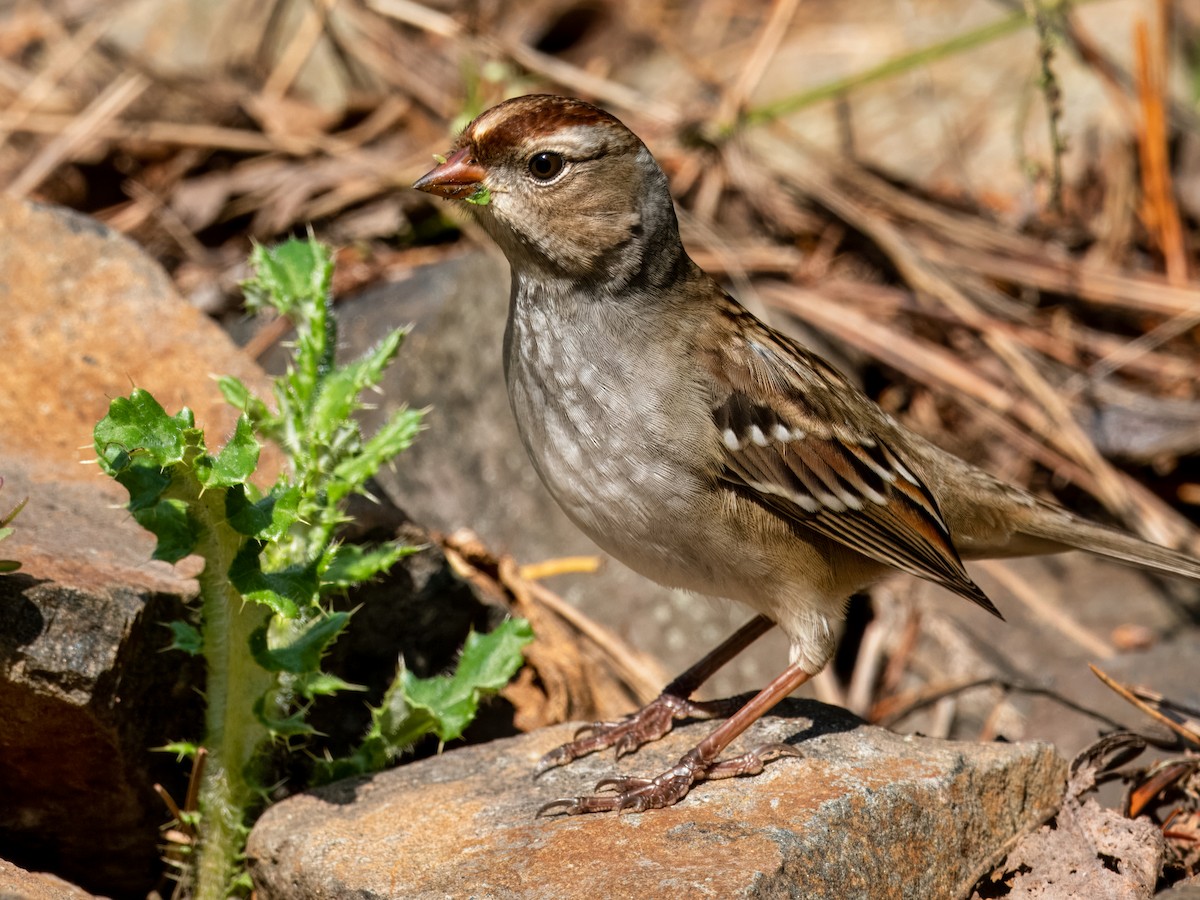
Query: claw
{"points": [[566, 803], [626, 735], [627, 793]]}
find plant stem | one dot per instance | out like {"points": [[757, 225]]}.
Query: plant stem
{"points": [[235, 681]]}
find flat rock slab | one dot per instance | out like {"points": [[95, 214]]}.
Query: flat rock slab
{"points": [[865, 812]]}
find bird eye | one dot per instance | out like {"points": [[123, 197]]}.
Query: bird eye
{"points": [[544, 166]]}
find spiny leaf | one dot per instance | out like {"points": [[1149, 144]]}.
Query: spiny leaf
{"points": [[353, 564], [284, 591], [138, 424], [235, 462], [394, 437], [303, 652], [186, 637], [288, 726], [267, 518], [172, 523]]}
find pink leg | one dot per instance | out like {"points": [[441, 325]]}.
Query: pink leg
{"points": [[698, 764], [656, 718]]}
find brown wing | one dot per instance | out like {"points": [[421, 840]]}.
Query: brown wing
{"points": [[803, 442]]}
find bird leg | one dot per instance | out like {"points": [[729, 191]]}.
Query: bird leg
{"points": [[658, 716], [698, 764]]}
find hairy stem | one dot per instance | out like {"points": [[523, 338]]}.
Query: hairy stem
{"points": [[233, 732]]}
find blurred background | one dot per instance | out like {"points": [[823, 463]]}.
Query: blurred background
{"points": [[984, 211]]}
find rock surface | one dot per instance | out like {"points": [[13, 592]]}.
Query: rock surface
{"points": [[865, 812], [18, 884]]}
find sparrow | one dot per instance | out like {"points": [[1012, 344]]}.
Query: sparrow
{"points": [[700, 446]]}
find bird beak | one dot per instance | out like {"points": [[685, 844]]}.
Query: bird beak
{"points": [[458, 178]]}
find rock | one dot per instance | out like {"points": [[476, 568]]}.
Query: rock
{"points": [[865, 812], [18, 884]]}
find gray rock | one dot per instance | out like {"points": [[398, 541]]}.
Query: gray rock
{"points": [[864, 813]]}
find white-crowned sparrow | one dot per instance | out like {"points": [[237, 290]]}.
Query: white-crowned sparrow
{"points": [[698, 445]]}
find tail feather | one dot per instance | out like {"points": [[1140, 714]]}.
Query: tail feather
{"points": [[1081, 534]]}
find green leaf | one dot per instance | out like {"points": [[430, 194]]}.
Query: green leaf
{"points": [[8, 565], [339, 394], [186, 637], [481, 197], [12, 514], [285, 591], [394, 437], [445, 704], [181, 749], [290, 726], [268, 518], [235, 462], [312, 684], [489, 660], [171, 522], [294, 269], [137, 424], [303, 653], [145, 484], [353, 564]]}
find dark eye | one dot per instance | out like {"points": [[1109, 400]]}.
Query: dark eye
{"points": [[544, 166]]}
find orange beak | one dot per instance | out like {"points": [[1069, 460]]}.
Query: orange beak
{"points": [[457, 178]]}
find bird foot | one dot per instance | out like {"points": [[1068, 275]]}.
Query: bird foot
{"points": [[631, 794], [649, 723]]}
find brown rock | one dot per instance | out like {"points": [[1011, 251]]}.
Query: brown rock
{"points": [[866, 812], [18, 884]]}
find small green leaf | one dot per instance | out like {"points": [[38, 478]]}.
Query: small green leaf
{"points": [[186, 637], [12, 514], [145, 484], [481, 197], [313, 684], [489, 660], [268, 518], [291, 726], [446, 704], [181, 749], [171, 522], [339, 393], [290, 273], [394, 437], [137, 424], [234, 463], [8, 565], [303, 653], [353, 564], [284, 591]]}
